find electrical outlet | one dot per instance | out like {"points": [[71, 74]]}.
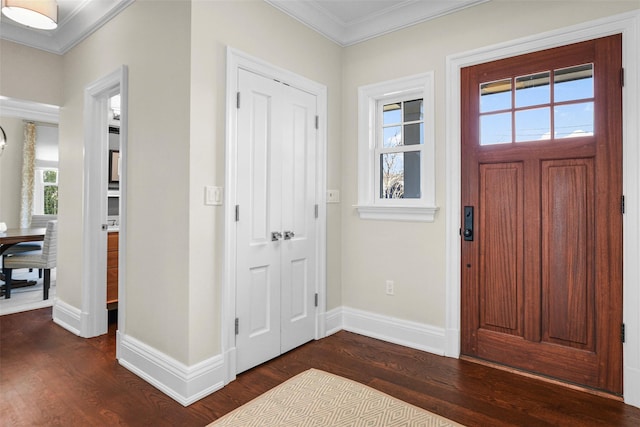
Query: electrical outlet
{"points": [[389, 289]]}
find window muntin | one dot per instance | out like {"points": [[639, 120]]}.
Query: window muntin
{"points": [[540, 108], [400, 149]]}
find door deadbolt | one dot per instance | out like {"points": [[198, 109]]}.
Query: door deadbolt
{"points": [[468, 223]]}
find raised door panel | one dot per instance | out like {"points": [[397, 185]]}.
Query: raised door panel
{"points": [[298, 216], [258, 257], [568, 252], [500, 238]]}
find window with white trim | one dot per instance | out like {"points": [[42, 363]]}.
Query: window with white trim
{"points": [[396, 148], [45, 194]]}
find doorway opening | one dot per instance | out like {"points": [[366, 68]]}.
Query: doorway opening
{"points": [[104, 196]]}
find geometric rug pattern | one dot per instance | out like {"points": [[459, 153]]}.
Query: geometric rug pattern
{"points": [[318, 398]]}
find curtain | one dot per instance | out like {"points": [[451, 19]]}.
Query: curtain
{"points": [[28, 167]]}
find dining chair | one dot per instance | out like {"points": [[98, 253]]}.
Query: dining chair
{"points": [[37, 221], [42, 260]]}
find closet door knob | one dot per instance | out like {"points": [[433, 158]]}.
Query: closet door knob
{"points": [[288, 235], [275, 236]]}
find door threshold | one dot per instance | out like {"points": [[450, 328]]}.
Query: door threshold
{"points": [[555, 381]]}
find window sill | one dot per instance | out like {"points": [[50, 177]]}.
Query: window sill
{"points": [[398, 213]]}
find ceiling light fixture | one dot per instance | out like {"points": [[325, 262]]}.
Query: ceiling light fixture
{"points": [[3, 140], [41, 14]]}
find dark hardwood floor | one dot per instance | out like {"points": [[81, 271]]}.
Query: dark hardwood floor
{"points": [[48, 376]]}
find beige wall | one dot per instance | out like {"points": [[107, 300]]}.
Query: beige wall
{"points": [[413, 254], [177, 89], [25, 74], [257, 29], [30, 74], [153, 40], [176, 54], [11, 171]]}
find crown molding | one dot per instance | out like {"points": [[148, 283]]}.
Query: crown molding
{"points": [[83, 21], [387, 20], [29, 110]]}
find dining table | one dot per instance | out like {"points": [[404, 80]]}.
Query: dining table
{"points": [[13, 236]]}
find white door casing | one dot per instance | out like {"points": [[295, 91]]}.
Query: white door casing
{"points": [[94, 246], [296, 198]]}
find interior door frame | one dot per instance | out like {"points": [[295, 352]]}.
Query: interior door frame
{"points": [[239, 60], [94, 314], [627, 24]]}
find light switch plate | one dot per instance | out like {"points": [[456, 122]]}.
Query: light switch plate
{"points": [[333, 196], [212, 195]]}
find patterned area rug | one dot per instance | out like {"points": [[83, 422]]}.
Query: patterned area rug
{"points": [[317, 398]]}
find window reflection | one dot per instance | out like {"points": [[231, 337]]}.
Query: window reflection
{"points": [[495, 129], [495, 96], [413, 110], [573, 83], [573, 120], [533, 89], [400, 175], [391, 114], [392, 136], [533, 124]]}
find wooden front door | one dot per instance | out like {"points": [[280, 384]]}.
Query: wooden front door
{"points": [[542, 248]]}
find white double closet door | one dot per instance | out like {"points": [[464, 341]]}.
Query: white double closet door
{"points": [[276, 230]]}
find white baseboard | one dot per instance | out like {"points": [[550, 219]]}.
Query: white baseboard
{"points": [[67, 316], [452, 340], [333, 321], [402, 332], [185, 384]]}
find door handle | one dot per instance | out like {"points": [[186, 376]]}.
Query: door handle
{"points": [[468, 224], [288, 235], [275, 236]]}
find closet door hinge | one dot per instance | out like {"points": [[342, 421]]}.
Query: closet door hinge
{"points": [[316, 211], [237, 326], [317, 122], [622, 333], [622, 205], [237, 213], [621, 77], [237, 99], [315, 301]]}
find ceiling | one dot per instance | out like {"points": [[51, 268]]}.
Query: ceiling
{"points": [[346, 22], [77, 19]]}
